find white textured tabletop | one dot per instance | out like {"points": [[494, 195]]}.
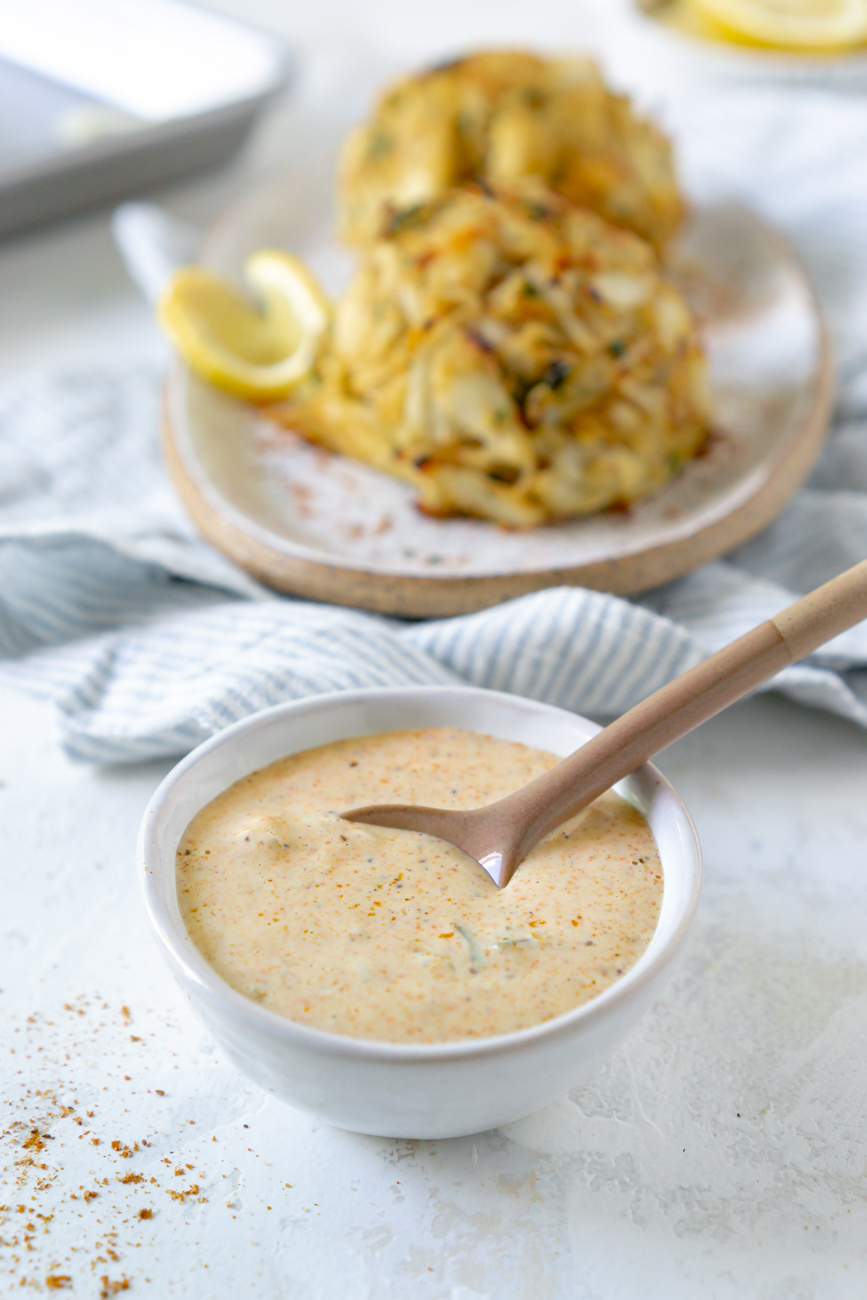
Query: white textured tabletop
{"points": [[720, 1155]]}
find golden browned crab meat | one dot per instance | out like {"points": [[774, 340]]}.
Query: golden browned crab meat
{"points": [[501, 116], [514, 357]]}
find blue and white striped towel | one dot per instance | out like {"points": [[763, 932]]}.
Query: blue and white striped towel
{"points": [[147, 641]]}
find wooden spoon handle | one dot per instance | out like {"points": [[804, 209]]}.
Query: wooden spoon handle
{"points": [[532, 812], [824, 613]]}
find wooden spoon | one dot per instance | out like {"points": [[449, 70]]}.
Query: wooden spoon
{"points": [[500, 835]]}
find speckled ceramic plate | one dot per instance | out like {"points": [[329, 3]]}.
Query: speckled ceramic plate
{"points": [[326, 527]]}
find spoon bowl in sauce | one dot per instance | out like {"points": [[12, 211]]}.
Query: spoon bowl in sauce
{"points": [[402, 1089]]}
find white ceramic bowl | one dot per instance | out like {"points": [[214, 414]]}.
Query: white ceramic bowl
{"points": [[390, 1089]]}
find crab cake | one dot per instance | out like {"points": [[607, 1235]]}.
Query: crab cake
{"points": [[501, 116], [514, 357]]}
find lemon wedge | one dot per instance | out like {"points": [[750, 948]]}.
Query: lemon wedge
{"points": [[811, 26], [259, 354]]}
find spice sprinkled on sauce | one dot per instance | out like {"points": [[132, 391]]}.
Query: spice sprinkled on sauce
{"points": [[391, 935]]}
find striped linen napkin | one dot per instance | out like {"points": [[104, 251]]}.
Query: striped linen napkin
{"points": [[147, 641]]}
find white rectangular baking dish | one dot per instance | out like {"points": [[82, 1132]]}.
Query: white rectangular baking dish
{"points": [[103, 99]]}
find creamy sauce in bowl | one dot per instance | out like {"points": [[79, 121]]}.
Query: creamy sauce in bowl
{"points": [[390, 935]]}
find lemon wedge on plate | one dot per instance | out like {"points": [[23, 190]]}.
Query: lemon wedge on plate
{"points": [[259, 353], [811, 26]]}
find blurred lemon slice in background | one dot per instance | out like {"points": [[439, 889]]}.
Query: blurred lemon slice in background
{"points": [[259, 354], [808, 25]]}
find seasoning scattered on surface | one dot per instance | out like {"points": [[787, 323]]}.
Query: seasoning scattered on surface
{"points": [[71, 1184], [386, 934]]}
